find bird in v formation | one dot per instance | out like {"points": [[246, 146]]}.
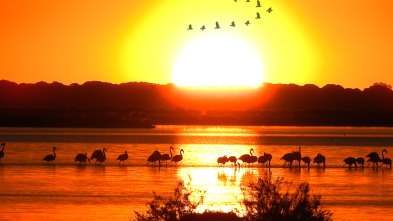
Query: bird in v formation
{"points": [[269, 10]]}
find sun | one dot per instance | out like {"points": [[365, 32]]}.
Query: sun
{"points": [[218, 60]]}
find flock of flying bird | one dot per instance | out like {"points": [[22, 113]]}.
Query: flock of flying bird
{"points": [[266, 158], [233, 24]]}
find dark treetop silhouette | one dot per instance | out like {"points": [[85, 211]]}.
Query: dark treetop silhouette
{"points": [[144, 105]]}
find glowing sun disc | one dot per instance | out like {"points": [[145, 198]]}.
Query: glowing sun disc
{"points": [[218, 60]]}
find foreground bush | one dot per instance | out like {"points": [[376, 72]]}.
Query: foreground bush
{"points": [[263, 200]]}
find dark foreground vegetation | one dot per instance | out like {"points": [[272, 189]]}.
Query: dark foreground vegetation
{"points": [[264, 200], [99, 104]]}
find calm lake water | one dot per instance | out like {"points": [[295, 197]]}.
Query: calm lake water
{"points": [[32, 190]]}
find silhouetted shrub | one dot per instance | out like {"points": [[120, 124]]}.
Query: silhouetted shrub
{"points": [[174, 208], [265, 200]]}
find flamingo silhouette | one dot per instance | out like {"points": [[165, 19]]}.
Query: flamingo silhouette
{"points": [[386, 161], [178, 158], [265, 158], [258, 4], [246, 158], [222, 160], [360, 160], [297, 156], [350, 161], [258, 16], [320, 159], [165, 157], [154, 157], [2, 151], [307, 161], [233, 160], [374, 158], [99, 155], [82, 158], [288, 159], [122, 157], [50, 157]]}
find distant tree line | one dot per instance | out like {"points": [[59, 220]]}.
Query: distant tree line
{"points": [[139, 104]]}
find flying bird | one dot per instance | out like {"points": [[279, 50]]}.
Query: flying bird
{"points": [[189, 27], [217, 25], [247, 22], [203, 28], [258, 4], [269, 10], [258, 16], [233, 24]]}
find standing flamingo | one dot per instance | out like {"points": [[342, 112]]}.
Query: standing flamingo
{"points": [[178, 158], [297, 156], [82, 158], [154, 157], [222, 160], [233, 160], [350, 161], [360, 160], [50, 157], [386, 161], [320, 159], [165, 157], [265, 158], [374, 158], [246, 158], [99, 155], [288, 159], [306, 161], [2, 151], [122, 157]]}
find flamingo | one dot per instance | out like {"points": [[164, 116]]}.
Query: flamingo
{"points": [[165, 157], [307, 161], [320, 159], [360, 160], [386, 161], [122, 157], [50, 157], [222, 160], [101, 158], [265, 158], [82, 158], [297, 156], [154, 157], [288, 159], [246, 158], [374, 158], [350, 161], [233, 160], [99, 155], [2, 151], [178, 158]]}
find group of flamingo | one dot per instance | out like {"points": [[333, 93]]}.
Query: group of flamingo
{"points": [[246, 159], [267, 158], [373, 158], [157, 156]]}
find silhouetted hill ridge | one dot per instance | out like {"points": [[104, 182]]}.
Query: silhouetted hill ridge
{"points": [[101, 104]]}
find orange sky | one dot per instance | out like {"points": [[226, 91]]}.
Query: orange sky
{"points": [[301, 41]]}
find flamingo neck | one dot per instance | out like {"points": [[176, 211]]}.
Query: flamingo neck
{"points": [[3, 145], [170, 151], [54, 153]]}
